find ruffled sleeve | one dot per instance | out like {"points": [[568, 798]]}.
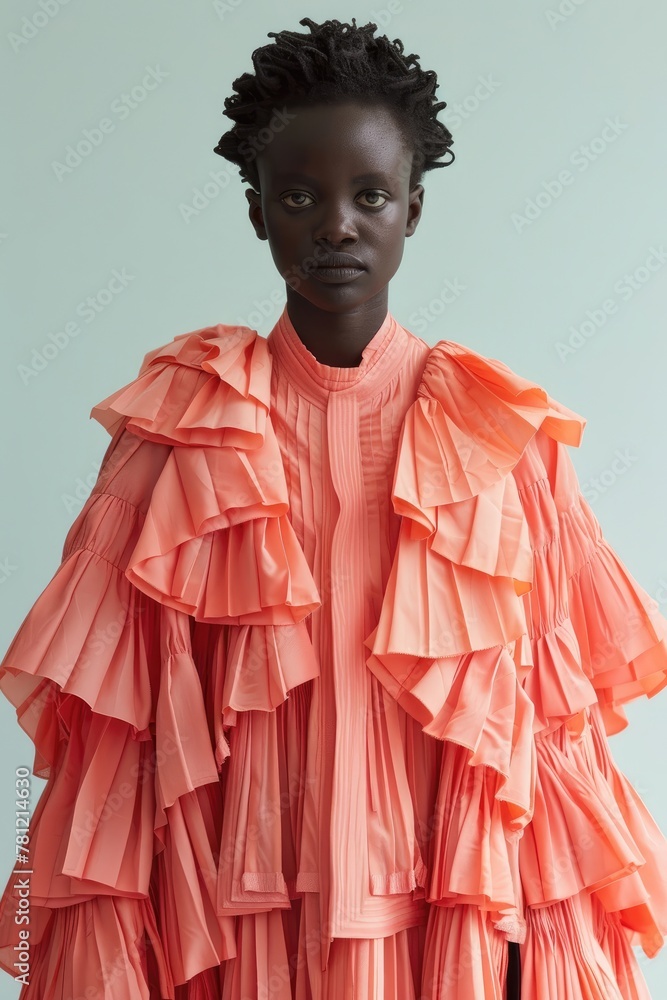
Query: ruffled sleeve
{"points": [[511, 630], [104, 684], [451, 644], [464, 558], [597, 641], [216, 542], [620, 630], [187, 520]]}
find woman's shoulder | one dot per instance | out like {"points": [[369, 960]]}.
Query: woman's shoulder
{"points": [[196, 387], [214, 348], [488, 397]]}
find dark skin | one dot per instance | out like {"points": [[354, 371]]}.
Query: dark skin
{"points": [[310, 203]]}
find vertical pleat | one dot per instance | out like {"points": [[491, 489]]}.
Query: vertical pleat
{"points": [[561, 956], [465, 957]]}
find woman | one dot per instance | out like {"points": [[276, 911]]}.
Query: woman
{"points": [[323, 684]]}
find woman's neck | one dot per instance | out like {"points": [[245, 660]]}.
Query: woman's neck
{"points": [[336, 338]]}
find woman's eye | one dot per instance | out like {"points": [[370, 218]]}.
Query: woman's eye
{"points": [[374, 194], [296, 194], [300, 199]]}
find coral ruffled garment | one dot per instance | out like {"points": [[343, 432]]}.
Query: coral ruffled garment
{"points": [[322, 692]]}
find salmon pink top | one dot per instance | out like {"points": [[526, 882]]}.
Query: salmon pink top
{"points": [[338, 432], [322, 691]]}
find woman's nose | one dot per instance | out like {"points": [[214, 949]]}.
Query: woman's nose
{"points": [[336, 225]]}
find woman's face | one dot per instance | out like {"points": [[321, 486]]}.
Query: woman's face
{"points": [[335, 178]]}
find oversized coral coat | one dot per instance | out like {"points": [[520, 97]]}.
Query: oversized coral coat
{"points": [[322, 690]]}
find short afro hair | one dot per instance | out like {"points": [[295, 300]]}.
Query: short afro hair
{"points": [[336, 62]]}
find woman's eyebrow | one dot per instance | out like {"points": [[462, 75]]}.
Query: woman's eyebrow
{"points": [[369, 178], [373, 178]]}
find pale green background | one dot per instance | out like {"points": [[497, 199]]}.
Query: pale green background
{"points": [[555, 80]]}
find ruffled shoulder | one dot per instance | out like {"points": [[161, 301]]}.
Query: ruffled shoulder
{"points": [[208, 387], [216, 542], [466, 431]]}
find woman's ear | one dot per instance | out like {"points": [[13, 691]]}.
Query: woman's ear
{"points": [[415, 206], [255, 213]]}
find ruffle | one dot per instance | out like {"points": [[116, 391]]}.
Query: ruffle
{"points": [[216, 542], [578, 838], [557, 686], [219, 508], [451, 644], [562, 959], [506, 622], [470, 857], [621, 634], [85, 636], [101, 943], [638, 901], [451, 624], [104, 680], [475, 701], [592, 835], [261, 784], [263, 664], [103, 676], [616, 945], [462, 437], [595, 636], [174, 400]]}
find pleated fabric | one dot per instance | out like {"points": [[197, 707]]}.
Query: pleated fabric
{"points": [[322, 692]]}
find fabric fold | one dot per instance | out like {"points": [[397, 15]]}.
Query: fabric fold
{"points": [[86, 635], [219, 508], [621, 634], [103, 673], [452, 637], [578, 838], [506, 622], [451, 620], [164, 678]]}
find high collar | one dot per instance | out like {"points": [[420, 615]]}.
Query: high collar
{"points": [[380, 360]]}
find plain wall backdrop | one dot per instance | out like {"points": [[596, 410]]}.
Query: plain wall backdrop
{"points": [[550, 225]]}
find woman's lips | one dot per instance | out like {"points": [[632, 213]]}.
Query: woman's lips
{"points": [[336, 275]]}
